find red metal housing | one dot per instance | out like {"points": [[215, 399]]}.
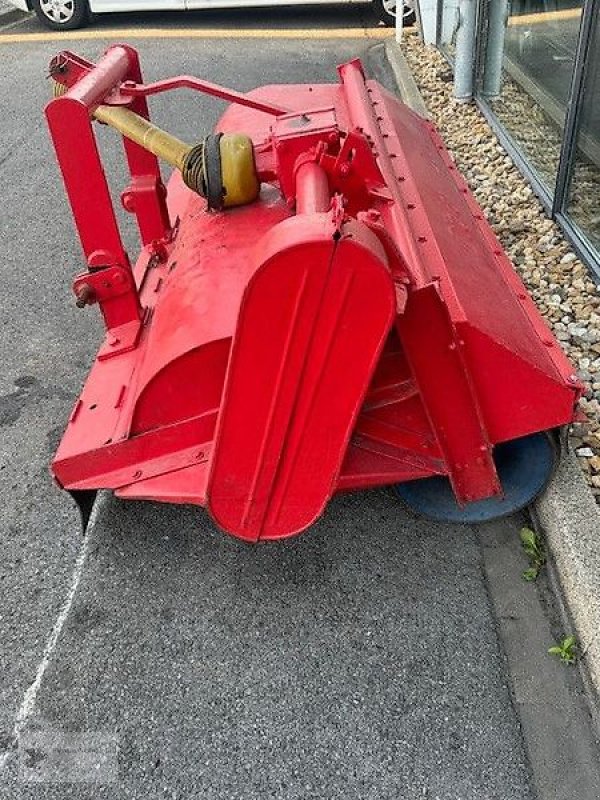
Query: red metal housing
{"points": [[357, 325]]}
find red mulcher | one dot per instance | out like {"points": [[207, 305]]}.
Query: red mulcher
{"points": [[319, 305]]}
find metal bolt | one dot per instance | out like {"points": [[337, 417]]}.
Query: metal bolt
{"points": [[84, 295], [158, 250], [128, 201]]}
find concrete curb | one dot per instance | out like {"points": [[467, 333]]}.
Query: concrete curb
{"points": [[552, 709], [407, 87], [569, 518], [566, 514]]}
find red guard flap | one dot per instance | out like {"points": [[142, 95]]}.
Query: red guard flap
{"points": [[312, 324]]}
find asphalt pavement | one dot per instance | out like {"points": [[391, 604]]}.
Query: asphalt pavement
{"points": [[158, 657]]}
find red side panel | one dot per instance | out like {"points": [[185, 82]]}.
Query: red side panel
{"points": [[304, 352]]}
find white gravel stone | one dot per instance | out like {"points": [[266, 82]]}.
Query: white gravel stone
{"points": [[566, 259]]}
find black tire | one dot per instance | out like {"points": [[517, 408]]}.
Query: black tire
{"points": [[62, 15], [388, 17]]}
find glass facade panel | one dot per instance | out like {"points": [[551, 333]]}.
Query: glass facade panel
{"points": [[535, 65], [448, 25], [583, 204]]}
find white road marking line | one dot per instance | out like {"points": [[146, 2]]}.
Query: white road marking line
{"points": [[30, 696]]}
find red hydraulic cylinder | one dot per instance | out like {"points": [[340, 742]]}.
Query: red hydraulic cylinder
{"points": [[312, 189]]}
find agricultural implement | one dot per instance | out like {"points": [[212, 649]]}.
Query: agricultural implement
{"points": [[318, 306]]}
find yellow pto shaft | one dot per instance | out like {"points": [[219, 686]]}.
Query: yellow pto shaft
{"points": [[219, 168]]}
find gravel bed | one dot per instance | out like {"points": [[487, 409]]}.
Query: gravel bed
{"points": [[559, 283]]}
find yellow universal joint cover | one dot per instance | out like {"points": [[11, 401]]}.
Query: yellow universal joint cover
{"points": [[238, 170]]}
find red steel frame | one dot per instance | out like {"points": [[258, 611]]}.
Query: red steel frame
{"points": [[357, 325]]}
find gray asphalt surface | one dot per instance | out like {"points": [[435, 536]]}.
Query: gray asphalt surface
{"points": [[358, 661]]}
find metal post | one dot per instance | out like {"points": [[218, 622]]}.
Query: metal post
{"points": [[312, 189], [494, 49], [427, 12], [399, 20], [146, 189], [464, 60]]}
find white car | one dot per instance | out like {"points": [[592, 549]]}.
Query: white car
{"points": [[68, 14]]}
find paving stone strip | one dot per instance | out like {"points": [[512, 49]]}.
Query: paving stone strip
{"points": [[558, 281]]}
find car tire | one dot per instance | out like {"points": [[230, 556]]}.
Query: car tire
{"points": [[62, 15], [386, 11]]}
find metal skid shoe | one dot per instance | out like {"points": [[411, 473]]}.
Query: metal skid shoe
{"points": [[318, 306], [524, 467]]}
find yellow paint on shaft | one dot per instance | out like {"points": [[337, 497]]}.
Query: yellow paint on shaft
{"points": [[123, 34], [139, 130]]}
